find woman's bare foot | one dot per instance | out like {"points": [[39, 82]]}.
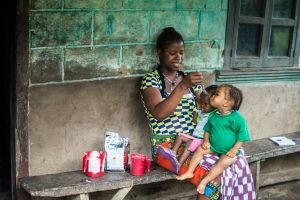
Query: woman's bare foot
{"points": [[201, 187], [184, 176]]}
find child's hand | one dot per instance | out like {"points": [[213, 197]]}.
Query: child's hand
{"points": [[205, 145], [231, 153]]}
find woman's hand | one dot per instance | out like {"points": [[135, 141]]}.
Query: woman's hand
{"points": [[162, 108], [192, 79]]}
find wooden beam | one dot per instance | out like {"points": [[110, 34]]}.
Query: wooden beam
{"points": [[79, 197], [257, 177], [120, 195]]}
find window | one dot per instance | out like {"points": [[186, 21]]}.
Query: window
{"points": [[262, 33]]}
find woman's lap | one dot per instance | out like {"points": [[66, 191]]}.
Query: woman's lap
{"points": [[232, 175]]}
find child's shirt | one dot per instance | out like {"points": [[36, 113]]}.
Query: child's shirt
{"points": [[201, 121], [225, 130]]}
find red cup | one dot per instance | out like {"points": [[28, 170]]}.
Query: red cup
{"points": [[137, 167], [148, 164], [135, 154], [125, 160], [138, 164]]}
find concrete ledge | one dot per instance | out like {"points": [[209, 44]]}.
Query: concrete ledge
{"points": [[73, 183], [76, 183], [264, 148]]}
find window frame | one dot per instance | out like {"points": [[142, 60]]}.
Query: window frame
{"points": [[231, 60]]}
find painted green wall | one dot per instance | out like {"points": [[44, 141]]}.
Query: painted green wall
{"points": [[72, 40]]}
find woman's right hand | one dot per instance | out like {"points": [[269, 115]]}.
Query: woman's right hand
{"points": [[192, 79]]}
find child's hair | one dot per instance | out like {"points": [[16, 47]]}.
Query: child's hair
{"points": [[235, 94], [168, 36]]}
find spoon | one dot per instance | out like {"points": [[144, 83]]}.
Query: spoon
{"points": [[203, 90]]}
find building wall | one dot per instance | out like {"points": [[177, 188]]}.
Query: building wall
{"points": [[86, 62], [72, 40]]}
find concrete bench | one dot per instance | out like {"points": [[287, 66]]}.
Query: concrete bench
{"points": [[77, 186], [259, 150]]}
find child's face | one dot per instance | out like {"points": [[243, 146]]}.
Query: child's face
{"points": [[171, 58], [204, 104], [220, 99]]}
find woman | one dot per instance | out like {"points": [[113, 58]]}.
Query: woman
{"points": [[169, 95]]}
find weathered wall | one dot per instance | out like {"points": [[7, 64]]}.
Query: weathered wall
{"points": [[68, 119], [72, 40], [271, 108], [86, 61], [80, 55]]}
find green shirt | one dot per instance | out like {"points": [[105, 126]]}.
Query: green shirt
{"points": [[225, 130]]}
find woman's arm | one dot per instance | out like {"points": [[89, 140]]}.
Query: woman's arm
{"points": [[195, 117], [196, 111], [160, 108]]}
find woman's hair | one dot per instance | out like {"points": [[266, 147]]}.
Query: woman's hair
{"points": [[234, 94], [168, 36]]}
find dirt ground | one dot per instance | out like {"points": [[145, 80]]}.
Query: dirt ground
{"points": [[286, 191]]}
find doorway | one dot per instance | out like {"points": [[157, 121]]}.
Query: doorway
{"points": [[7, 63]]}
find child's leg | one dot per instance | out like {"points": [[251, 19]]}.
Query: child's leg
{"points": [[222, 164], [185, 154], [191, 146], [178, 142], [197, 157]]}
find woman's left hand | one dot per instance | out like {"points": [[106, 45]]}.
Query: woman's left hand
{"points": [[192, 79]]}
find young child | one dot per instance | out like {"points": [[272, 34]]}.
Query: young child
{"points": [[225, 131], [194, 141]]}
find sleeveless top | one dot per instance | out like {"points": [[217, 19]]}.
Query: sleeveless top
{"points": [[180, 121]]}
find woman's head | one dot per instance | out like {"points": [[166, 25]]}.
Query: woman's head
{"points": [[204, 100], [170, 49], [228, 97]]}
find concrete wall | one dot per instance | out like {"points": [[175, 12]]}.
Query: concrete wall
{"points": [[271, 108], [72, 40], [86, 62], [68, 119]]}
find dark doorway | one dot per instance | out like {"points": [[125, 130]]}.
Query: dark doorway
{"points": [[7, 62]]}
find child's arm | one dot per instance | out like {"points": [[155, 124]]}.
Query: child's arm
{"points": [[195, 116], [232, 152], [205, 144]]}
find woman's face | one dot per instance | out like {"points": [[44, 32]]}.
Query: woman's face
{"points": [[172, 57]]}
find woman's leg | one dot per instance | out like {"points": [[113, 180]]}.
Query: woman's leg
{"points": [[197, 157], [222, 164]]}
